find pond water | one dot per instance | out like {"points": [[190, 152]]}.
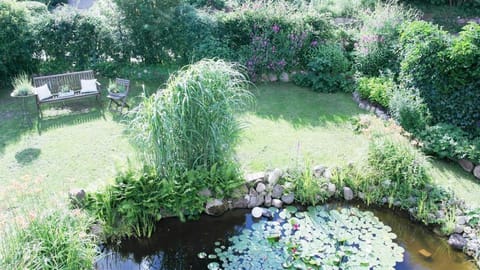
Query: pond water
{"points": [[176, 245]]}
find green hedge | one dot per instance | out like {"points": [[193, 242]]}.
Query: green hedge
{"points": [[445, 70]]}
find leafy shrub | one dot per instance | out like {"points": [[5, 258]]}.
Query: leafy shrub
{"points": [[70, 40], [408, 109], [149, 27], [217, 4], [307, 188], [445, 72], [192, 123], [399, 164], [328, 70], [272, 36], [16, 40], [377, 89], [377, 42], [448, 141], [136, 201], [56, 240]]}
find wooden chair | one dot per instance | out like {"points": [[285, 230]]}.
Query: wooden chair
{"points": [[120, 99]]}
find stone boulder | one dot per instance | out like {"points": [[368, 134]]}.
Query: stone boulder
{"points": [[254, 177], [319, 170], [277, 191], [331, 189], [261, 187], [284, 77], [274, 176], [457, 241], [240, 203], [476, 171], [347, 194], [467, 165], [288, 198], [216, 207], [277, 203]]}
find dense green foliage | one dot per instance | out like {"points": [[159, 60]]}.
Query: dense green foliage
{"points": [[186, 134], [16, 40], [448, 141], [408, 108], [57, 240], [328, 70], [376, 89], [376, 49], [273, 36], [136, 201], [446, 72], [70, 40], [396, 174]]}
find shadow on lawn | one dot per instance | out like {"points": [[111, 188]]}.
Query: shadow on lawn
{"points": [[14, 120], [74, 113], [302, 107]]}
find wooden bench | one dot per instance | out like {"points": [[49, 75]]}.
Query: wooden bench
{"points": [[71, 80]]}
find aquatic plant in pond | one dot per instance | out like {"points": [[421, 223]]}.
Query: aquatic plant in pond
{"points": [[345, 239]]}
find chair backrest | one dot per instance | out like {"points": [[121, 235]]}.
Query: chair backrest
{"points": [[55, 82], [123, 82]]}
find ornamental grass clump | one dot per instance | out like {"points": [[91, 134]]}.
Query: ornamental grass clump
{"points": [[192, 122], [56, 240], [22, 86]]}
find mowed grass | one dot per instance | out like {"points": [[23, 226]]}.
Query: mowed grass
{"points": [[83, 145], [290, 125]]}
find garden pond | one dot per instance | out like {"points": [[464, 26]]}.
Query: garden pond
{"points": [[335, 236]]}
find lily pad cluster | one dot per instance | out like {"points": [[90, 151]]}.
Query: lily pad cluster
{"points": [[314, 239]]}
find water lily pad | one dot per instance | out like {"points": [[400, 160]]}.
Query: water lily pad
{"points": [[346, 238], [202, 255]]}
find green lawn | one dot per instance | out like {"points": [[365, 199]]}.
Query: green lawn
{"points": [[83, 145], [291, 125]]}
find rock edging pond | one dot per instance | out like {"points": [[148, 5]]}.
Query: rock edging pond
{"points": [[263, 189]]}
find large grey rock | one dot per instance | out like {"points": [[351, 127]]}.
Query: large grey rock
{"points": [[240, 192], [257, 212], [274, 176], [347, 194], [461, 220], [284, 77], [288, 198], [254, 177], [277, 203], [476, 171], [240, 203], [268, 200], [253, 201], [253, 192], [457, 241], [319, 170], [459, 229], [277, 191], [328, 173], [261, 187], [331, 189], [467, 165], [216, 207]]}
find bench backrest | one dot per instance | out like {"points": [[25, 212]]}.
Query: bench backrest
{"points": [[55, 82]]}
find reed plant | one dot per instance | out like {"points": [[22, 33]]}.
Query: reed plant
{"points": [[192, 123]]}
